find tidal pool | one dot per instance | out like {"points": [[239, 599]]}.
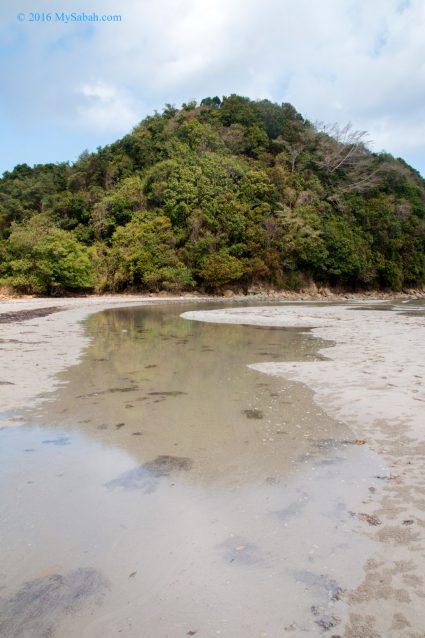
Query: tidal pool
{"points": [[166, 489]]}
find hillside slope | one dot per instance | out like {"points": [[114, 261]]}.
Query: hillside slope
{"points": [[230, 192]]}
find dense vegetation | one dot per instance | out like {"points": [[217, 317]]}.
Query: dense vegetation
{"points": [[228, 193]]}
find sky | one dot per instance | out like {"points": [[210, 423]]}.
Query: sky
{"points": [[67, 87]]}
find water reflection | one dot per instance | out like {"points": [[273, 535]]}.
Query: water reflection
{"points": [[156, 384], [203, 497]]}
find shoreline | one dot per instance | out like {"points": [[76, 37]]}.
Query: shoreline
{"points": [[308, 294], [372, 378]]}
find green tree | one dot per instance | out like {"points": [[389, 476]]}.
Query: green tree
{"points": [[219, 269], [44, 259], [143, 255], [233, 189]]}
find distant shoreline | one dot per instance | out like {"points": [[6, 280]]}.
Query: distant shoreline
{"points": [[319, 294]]}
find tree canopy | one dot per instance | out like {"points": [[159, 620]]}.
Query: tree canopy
{"points": [[228, 192]]}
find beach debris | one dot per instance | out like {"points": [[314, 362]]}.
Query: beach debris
{"points": [[321, 583], [325, 621], [253, 414], [371, 519]]}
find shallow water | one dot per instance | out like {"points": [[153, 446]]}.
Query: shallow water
{"points": [[168, 490]]}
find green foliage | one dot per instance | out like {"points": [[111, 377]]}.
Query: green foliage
{"points": [[43, 259], [219, 269], [142, 254], [238, 110], [228, 192], [271, 116], [302, 245], [117, 207], [349, 256], [211, 101]]}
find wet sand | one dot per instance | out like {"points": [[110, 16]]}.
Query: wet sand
{"points": [[193, 491], [373, 381], [41, 337], [313, 528]]}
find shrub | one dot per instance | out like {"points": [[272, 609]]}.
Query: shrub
{"points": [[219, 269]]}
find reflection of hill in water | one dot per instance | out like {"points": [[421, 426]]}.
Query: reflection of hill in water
{"points": [[156, 385]]}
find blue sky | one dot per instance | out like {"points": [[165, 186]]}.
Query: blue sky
{"points": [[68, 87]]}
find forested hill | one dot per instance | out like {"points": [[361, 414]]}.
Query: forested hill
{"points": [[228, 193]]}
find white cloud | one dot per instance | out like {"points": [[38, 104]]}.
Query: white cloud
{"points": [[344, 60], [105, 107]]}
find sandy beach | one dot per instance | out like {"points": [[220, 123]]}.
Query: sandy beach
{"points": [[40, 337], [371, 378]]}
